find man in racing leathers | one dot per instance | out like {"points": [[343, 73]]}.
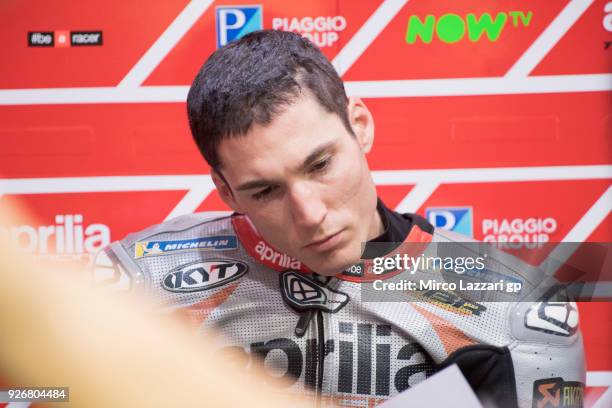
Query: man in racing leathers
{"points": [[282, 278]]}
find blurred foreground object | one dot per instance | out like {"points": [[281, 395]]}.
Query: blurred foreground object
{"points": [[457, 392], [110, 351]]}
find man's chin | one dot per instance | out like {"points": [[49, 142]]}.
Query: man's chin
{"points": [[331, 272]]}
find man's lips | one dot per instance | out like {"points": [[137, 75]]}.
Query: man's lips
{"points": [[326, 243]]}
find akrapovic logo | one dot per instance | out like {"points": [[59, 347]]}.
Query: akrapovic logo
{"points": [[451, 28], [268, 254], [557, 393], [203, 275]]}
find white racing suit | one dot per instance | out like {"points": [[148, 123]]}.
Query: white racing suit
{"points": [[320, 334]]}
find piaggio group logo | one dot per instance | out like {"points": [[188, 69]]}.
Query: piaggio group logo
{"points": [[234, 22], [457, 219], [451, 28], [323, 31], [534, 230]]}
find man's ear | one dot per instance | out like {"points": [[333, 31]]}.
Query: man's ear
{"points": [[225, 191], [362, 122]]}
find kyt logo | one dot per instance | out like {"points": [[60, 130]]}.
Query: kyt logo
{"points": [[203, 275], [234, 22], [451, 28], [457, 219]]}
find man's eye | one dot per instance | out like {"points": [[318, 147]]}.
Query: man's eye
{"points": [[263, 194], [321, 165]]}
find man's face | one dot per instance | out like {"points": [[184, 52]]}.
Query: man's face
{"points": [[304, 182]]}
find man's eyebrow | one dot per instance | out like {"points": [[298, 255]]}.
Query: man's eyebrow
{"points": [[316, 154], [312, 157], [249, 185]]}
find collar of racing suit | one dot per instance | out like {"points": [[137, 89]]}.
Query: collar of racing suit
{"points": [[398, 229]]}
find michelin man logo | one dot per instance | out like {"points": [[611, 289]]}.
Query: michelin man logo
{"points": [[560, 318], [457, 219], [234, 22]]}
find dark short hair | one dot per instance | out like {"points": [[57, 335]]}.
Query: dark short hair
{"points": [[251, 80]]}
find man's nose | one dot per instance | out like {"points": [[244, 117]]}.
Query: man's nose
{"points": [[307, 208]]}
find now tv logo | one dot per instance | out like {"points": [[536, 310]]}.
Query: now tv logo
{"points": [[451, 28]]}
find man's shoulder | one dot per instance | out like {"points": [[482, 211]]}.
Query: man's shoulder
{"points": [[494, 264], [196, 225], [129, 260]]}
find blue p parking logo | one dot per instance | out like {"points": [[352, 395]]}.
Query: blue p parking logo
{"points": [[458, 219], [234, 22]]}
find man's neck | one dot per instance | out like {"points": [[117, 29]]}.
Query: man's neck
{"points": [[377, 226]]}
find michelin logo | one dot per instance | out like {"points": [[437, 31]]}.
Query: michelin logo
{"points": [[234, 22], [152, 248], [457, 219]]}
